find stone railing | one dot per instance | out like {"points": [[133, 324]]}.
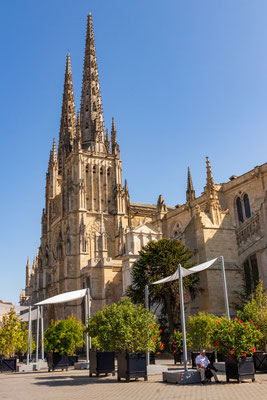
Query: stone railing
{"points": [[249, 231]]}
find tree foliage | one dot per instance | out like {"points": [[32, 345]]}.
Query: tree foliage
{"points": [[235, 338], [176, 342], [64, 336], [256, 310], [13, 335], [200, 328], [125, 327], [159, 259]]}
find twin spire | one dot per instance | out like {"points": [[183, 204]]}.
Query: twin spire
{"points": [[92, 121], [88, 128]]}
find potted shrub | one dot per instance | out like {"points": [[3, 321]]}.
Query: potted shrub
{"points": [[130, 331], [237, 341], [13, 339], [61, 340], [256, 310], [176, 345], [200, 328]]}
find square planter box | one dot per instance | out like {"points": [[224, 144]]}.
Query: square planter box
{"points": [[132, 365], [260, 361], [209, 354], [179, 357], [102, 362], [57, 361], [72, 360], [8, 364], [243, 368]]}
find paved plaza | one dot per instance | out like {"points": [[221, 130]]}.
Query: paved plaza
{"points": [[76, 385]]}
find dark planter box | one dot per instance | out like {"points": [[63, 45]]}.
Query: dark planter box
{"points": [[179, 357], [8, 364], [209, 354], [152, 358], [243, 368], [220, 357], [260, 361], [57, 361], [72, 360], [102, 362], [132, 365]]}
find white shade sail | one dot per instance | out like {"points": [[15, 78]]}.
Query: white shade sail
{"points": [[25, 316], [186, 272], [63, 298], [5, 308]]}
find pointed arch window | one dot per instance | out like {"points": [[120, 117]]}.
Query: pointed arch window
{"points": [[239, 210], [247, 206]]}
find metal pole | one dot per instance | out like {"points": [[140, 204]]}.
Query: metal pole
{"points": [[147, 307], [37, 334], [225, 290], [87, 315], [42, 331], [29, 337], [182, 315]]}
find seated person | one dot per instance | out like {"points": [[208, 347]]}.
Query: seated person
{"points": [[203, 365]]}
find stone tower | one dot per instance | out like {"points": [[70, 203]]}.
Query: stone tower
{"points": [[85, 202]]}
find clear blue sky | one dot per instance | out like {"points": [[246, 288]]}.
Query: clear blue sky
{"points": [[183, 79]]}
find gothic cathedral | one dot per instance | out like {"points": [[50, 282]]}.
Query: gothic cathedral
{"points": [[92, 233]]}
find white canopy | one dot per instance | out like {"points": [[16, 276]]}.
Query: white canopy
{"points": [[5, 308], [63, 298], [186, 272], [26, 316]]}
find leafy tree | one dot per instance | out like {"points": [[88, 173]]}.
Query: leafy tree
{"points": [[176, 342], [235, 338], [200, 328], [13, 335], [159, 259], [256, 310], [125, 327], [64, 336]]}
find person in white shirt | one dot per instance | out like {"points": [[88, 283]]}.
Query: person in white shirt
{"points": [[202, 363]]}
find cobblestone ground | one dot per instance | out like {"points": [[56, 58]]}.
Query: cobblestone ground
{"points": [[76, 385]]}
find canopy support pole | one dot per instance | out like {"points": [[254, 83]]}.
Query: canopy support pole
{"points": [[225, 290], [42, 331], [182, 315], [87, 315], [37, 334], [147, 307], [29, 336]]}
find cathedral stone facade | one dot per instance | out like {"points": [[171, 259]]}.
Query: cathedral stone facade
{"points": [[92, 233]]}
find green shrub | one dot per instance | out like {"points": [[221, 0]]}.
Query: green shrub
{"points": [[200, 327], [125, 327], [64, 336], [235, 338]]}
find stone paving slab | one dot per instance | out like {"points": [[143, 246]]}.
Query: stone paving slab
{"points": [[77, 385]]}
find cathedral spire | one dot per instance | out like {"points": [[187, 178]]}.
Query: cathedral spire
{"points": [[54, 152], [92, 122], [210, 181], [190, 193], [68, 118], [107, 142], [114, 144]]}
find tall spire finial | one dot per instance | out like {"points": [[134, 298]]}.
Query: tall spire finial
{"points": [[68, 117], [210, 181], [92, 121], [190, 193], [114, 144]]}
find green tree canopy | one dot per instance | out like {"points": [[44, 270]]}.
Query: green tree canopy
{"points": [[13, 335], [64, 336], [200, 328], [256, 310], [159, 259], [125, 327]]}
